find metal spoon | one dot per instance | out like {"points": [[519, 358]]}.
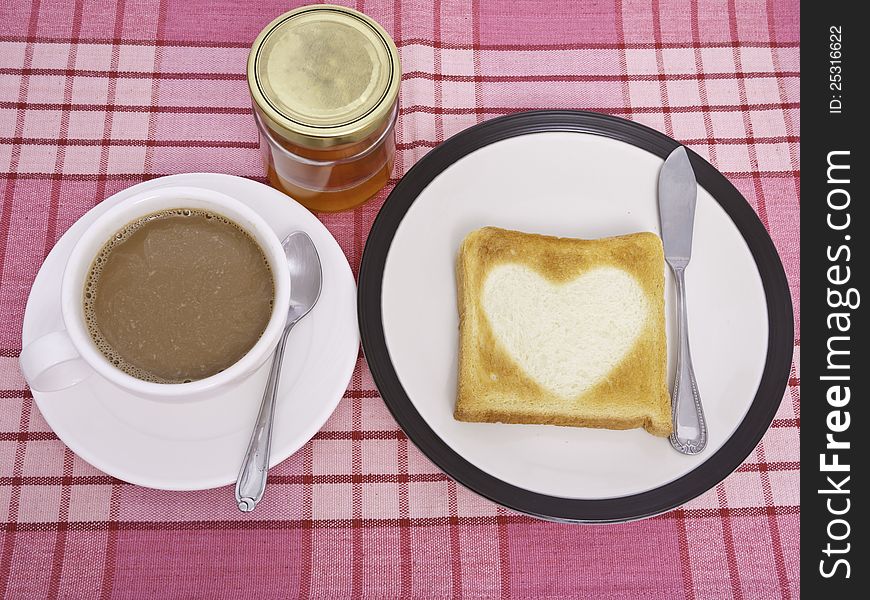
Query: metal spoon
{"points": [[306, 275]]}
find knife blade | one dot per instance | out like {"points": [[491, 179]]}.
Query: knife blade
{"points": [[678, 192]]}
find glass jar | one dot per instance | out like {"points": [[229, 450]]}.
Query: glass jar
{"points": [[324, 81]]}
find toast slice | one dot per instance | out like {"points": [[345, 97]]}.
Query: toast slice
{"points": [[562, 331]]}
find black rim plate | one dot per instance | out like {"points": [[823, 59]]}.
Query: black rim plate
{"points": [[705, 476]]}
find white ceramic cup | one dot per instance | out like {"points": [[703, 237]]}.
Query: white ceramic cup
{"points": [[61, 359]]}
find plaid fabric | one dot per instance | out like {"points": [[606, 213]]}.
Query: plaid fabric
{"points": [[96, 96]]}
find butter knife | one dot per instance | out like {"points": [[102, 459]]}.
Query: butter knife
{"points": [[677, 194]]}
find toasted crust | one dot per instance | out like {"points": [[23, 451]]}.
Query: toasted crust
{"points": [[493, 388]]}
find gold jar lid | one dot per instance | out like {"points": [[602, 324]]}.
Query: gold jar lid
{"points": [[324, 75]]}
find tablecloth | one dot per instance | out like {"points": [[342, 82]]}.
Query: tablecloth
{"points": [[97, 95]]}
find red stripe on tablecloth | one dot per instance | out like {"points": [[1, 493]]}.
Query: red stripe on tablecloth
{"points": [[478, 71], [356, 451], [5, 218], [120, 41], [786, 423], [299, 479], [796, 422], [127, 108], [712, 141], [32, 480], [774, 466], [293, 524], [105, 143], [63, 518], [15, 493], [504, 556], [155, 89], [728, 536], [108, 581], [773, 524], [156, 74], [405, 110], [660, 62], [623, 58], [134, 177], [407, 566], [760, 201], [138, 177], [361, 394], [25, 393], [455, 552], [397, 23], [110, 101], [685, 562], [60, 156], [9, 195], [436, 66], [555, 77], [333, 479], [306, 541], [400, 42], [579, 77], [702, 81], [795, 392], [26, 436], [789, 122], [615, 110]]}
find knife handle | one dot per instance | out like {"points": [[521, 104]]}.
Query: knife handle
{"points": [[690, 428]]}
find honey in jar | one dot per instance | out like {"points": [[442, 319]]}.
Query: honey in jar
{"points": [[324, 81]]}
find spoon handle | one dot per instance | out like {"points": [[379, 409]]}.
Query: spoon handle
{"points": [[255, 467], [690, 427]]}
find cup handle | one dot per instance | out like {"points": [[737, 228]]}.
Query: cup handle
{"points": [[52, 363]]}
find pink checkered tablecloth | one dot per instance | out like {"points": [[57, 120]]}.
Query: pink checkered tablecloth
{"points": [[96, 96]]}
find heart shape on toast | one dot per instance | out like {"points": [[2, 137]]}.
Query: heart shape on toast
{"points": [[566, 336]]}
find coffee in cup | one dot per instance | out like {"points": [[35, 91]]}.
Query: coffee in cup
{"points": [[178, 295]]}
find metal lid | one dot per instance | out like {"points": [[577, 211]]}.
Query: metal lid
{"points": [[324, 75]]}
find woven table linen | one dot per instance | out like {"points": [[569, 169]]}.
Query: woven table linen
{"points": [[96, 96]]}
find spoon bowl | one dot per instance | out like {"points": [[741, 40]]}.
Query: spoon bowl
{"points": [[305, 273]]}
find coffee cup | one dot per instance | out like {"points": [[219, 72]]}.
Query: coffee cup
{"points": [[68, 356]]}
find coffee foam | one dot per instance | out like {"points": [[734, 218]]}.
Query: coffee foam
{"points": [[96, 269]]}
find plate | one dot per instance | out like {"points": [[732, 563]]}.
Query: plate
{"points": [[200, 445], [584, 175]]}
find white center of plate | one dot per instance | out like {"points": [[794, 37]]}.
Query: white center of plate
{"points": [[565, 336]]}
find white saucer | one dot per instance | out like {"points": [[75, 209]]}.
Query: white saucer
{"points": [[199, 445]]}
